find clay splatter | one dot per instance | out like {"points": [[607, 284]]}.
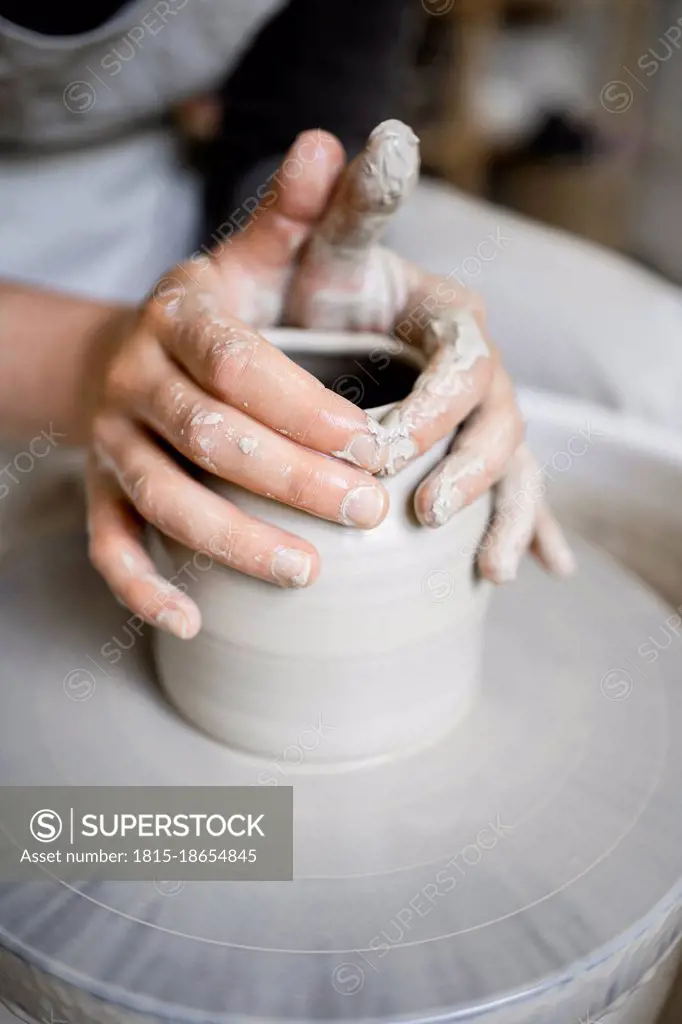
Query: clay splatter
{"points": [[247, 445]]}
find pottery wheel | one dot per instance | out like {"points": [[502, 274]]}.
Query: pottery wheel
{"points": [[526, 868]]}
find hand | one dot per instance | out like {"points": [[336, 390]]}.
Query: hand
{"points": [[347, 281], [192, 376]]}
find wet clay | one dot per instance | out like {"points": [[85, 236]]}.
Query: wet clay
{"points": [[366, 646]]}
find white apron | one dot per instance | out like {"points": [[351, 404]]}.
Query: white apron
{"points": [[94, 199]]}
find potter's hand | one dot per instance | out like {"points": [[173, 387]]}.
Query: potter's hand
{"points": [[192, 378], [346, 280]]}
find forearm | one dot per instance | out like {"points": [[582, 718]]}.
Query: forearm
{"points": [[51, 349]]}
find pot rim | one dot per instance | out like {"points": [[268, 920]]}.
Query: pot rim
{"points": [[346, 343]]}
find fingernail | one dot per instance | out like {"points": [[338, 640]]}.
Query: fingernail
{"points": [[392, 128], [176, 622], [395, 149], [364, 506], [445, 496], [291, 567], [363, 450], [441, 505], [319, 152]]}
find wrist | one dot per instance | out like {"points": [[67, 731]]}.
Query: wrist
{"points": [[52, 348]]}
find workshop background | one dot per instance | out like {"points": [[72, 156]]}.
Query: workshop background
{"points": [[569, 111]]}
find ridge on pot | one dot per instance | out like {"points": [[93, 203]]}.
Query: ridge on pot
{"points": [[381, 655]]}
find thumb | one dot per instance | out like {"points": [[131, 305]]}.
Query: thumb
{"points": [[291, 203]]}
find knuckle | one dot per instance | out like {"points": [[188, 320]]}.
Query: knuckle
{"points": [[500, 386], [141, 492], [214, 367], [228, 358], [191, 424], [187, 429], [304, 487], [101, 552], [169, 413], [226, 547], [166, 297], [101, 459], [159, 398], [119, 376], [315, 416]]}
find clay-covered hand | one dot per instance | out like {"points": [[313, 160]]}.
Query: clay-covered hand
{"points": [[346, 280], [194, 378], [193, 385]]}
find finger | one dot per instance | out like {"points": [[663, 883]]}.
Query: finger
{"points": [[290, 203], [117, 552], [478, 457], [512, 528], [457, 376], [345, 280], [237, 365], [550, 546], [188, 512], [370, 190], [235, 447]]}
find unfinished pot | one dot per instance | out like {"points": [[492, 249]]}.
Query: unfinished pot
{"points": [[379, 656]]}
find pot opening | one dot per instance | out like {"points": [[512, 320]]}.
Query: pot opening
{"points": [[367, 379]]}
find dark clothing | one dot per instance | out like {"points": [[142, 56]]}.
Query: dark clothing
{"points": [[341, 66], [317, 64], [59, 19]]}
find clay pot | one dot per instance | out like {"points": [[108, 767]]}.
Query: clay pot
{"points": [[378, 657]]}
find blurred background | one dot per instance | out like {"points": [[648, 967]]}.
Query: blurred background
{"points": [[569, 111]]}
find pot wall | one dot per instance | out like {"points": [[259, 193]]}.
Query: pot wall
{"points": [[376, 658]]}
